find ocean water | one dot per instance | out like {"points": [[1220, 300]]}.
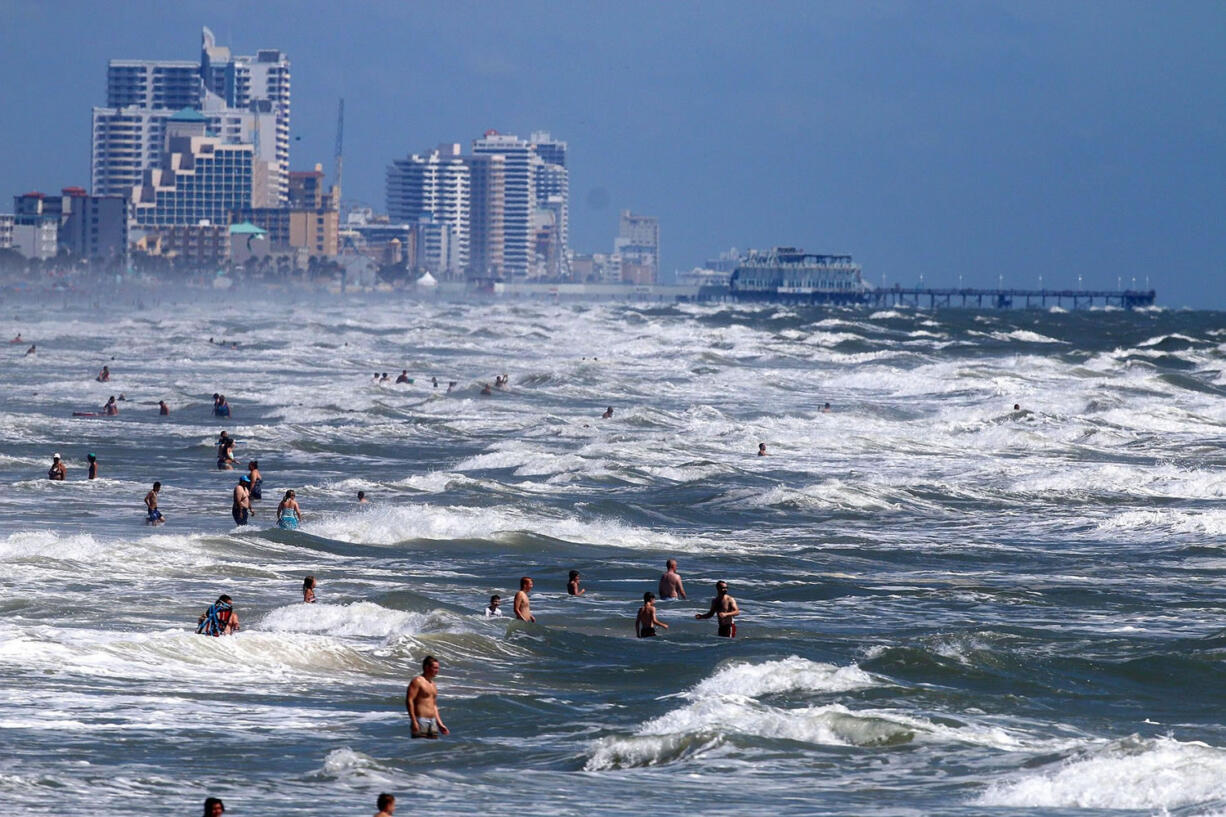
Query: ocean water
{"points": [[949, 607]]}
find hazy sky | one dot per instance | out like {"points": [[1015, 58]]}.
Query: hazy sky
{"points": [[986, 140]]}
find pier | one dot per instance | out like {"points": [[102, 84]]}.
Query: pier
{"points": [[938, 298], [933, 298]]}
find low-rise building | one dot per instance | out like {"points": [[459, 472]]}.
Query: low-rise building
{"points": [[195, 246]]}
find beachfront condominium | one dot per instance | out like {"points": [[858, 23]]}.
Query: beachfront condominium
{"points": [[434, 190], [509, 243], [200, 178], [245, 99]]}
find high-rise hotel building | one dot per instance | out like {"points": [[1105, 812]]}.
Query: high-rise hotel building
{"points": [[244, 99], [434, 191]]}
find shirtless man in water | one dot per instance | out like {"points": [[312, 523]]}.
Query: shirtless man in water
{"points": [[723, 606], [421, 701], [523, 609], [670, 583]]}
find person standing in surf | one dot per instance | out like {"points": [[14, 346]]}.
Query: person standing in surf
{"points": [[421, 701], [645, 623], [523, 608], [257, 479], [57, 472], [154, 516], [241, 508], [670, 583], [93, 466], [308, 590], [219, 619], [288, 512], [723, 606]]}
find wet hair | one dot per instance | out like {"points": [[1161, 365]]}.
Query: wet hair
{"points": [[288, 495], [385, 800], [574, 574], [495, 598], [225, 598], [427, 661], [524, 581], [649, 596], [361, 494], [209, 802], [157, 485], [308, 583]]}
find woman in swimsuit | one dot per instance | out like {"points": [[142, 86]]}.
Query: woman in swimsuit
{"points": [[308, 590], [288, 512]]}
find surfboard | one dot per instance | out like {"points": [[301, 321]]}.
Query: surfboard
{"points": [[85, 414]]}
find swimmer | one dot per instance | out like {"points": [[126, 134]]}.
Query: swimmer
{"points": [[111, 408], [288, 512], [93, 466], [225, 452], [104, 375], [384, 378], [434, 382], [485, 389], [219, 619], [761, 449], [450, 386], [213, 807], [241, 508], [670, 583], [154, 516], [1017, 406], [825, 408], [122, 399], [57, 471], [386, 803], [494, 611], [257, 479], [32, 350], [523, 608], [404, 376], [421, 701], [572, 586], [362, 500], [163, 409], [308, 590], [723, 606], [376, 378], [608, 413], [17, 339], [221, 408], [645, 623]]}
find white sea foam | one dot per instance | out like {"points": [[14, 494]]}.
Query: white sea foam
{"points": [[1130, 774], [386, 525]]}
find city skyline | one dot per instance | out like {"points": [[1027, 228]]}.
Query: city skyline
{"points": [[961, 143]]}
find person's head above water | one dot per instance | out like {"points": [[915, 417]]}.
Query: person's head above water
{"points": [[649, 596], [90, 457], [244, 478], [55, 456]]}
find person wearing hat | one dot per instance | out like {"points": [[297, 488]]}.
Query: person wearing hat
{"points": [[242, 500], [57, 471], [93, 466]]}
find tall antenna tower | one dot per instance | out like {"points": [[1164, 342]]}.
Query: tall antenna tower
{"points": [[340, 147]]}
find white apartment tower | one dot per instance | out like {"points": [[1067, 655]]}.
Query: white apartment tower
{"points": [[515, 211], [246, 100], [436, 188]]}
